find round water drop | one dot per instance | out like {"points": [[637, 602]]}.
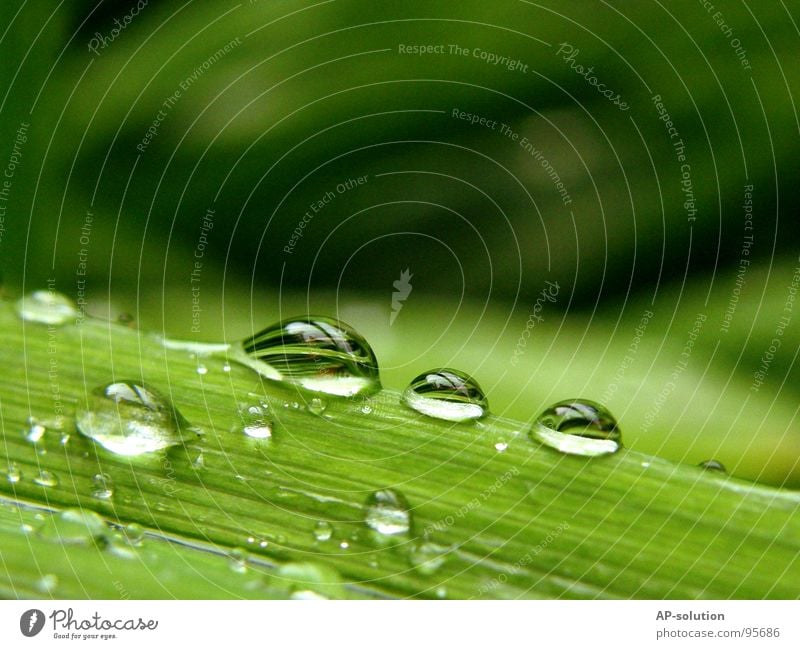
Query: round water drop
{"points": [[238, 560], [47, 583], [427, 557], [316, 406], [387, 513], [323, 531], [256, 423], [46, 479], [500, 447], [134, 533], [47, 307], [317, 353], [305, 580], [713, 465], [102, 486], [202, 370], [128, 418], [446, 394], [13, 474], [578, 427], [72, 526], [35, 430]]}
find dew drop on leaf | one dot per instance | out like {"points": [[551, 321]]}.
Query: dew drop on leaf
{"points": [[323, 531], [446, 394], [256, 423], [387, 513], [578, 427], [73, 527], [46, 479], [47, 307], [427, 557], [316, 406], [316, 353], [129, 418], [13, 474], [713, 465], [102, 486], [34, 430]]}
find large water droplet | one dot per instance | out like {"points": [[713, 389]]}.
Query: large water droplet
{"points": [[47, 307], [102, 486], [256, 422], [713, 465], [578, 427], [316, 406], [387, 512], [316, 353], [128, 418], [305, 580], [446, 394], [72, 526], [323, 531], [46, 479]]}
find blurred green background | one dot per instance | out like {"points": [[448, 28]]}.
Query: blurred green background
{"points": [[146, 116]]}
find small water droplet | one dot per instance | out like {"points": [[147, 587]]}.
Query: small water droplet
{"points": [[129, 418], [202, 370], [238, 560], [387, 512], [263, 544], [366, 409], [102, 486], [47, 583], [46, 479], [427, 557], [72, 526], [501, 446], [310, 581], [34, 430], [316, 406], [226, 367], [256, 422], [323, 531], [578, 427], [13, 474], [134, 533], [344, 545], [441, 592], [47, 307], [446, 394], [713, 465], [317, 353]]}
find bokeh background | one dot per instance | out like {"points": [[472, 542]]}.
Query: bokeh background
{"points": [[162, 154]]}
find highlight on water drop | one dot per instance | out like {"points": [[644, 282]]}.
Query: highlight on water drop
{"points": [[316, 353], [387, 513], [448, 394], [713, 465], [578, 427], [129, 418]]}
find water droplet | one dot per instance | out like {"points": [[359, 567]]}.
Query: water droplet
{"points": [[311, 581], [446, 394], [102, 486], [134, 533], [387, 513], [47, 307], [226, 367], [316, 353], [316, 406], [72, 526], [713, 465], [129, 419], [323, 531], [344, 545], [501, 446], [263, 544], [202, 370], [35, 430], [14, 475], [427, 557], [441, 592], [366, 409], [47, 583], [256, 422], [578, 427], [46, 479], [238, 560]]}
